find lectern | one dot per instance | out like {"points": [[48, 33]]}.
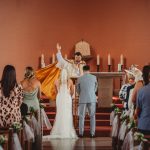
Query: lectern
{"points": [[105, 86]]}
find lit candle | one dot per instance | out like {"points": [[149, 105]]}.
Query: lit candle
{"points": [[98, 60], [53, 58], [65, 56], [109, 59], [121, 59]]}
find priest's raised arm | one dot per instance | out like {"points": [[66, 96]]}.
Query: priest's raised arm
{"points": [[74, 68]]}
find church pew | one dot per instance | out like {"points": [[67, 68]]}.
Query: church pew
{"points": [[38, 138], [8, 133], [5, 145], [115, 138]]}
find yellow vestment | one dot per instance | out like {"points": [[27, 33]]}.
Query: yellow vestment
{"points": [[50, 73], [47, 77]]}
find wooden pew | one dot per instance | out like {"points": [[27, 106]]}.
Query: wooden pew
{"points": [[8, 134]]}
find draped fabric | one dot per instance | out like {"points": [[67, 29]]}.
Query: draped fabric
{"points": [[122, 131], [115, 126], [112, 116], [128, 141], [15, 142], [1, 148], [28, 132], [45, 121], [47, 77]]}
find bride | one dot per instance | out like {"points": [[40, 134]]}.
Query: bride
{"points": [[63, 126]]}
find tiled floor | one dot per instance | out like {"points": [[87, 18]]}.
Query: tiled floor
{"points": [[99, 143]]}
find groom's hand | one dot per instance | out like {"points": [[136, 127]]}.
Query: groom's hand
{"points": [[58, 47]]}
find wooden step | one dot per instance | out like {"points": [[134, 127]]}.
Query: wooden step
{"points": [[102, 131], [87, 122], [48, 108], [103, 128], [103, 116]]}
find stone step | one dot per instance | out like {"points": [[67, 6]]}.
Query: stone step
{"points": [[101, 131]]}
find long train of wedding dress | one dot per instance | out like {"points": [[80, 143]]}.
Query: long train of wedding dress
{"points": [[63, 126]]}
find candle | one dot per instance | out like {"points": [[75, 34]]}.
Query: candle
{"points": [[119, 67], [42, 61], [53, 58], [42, 58], [121, 59], [98, 60], [65, 56], [109, 59]]}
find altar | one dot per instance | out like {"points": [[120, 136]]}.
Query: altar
{"points": [[105, 86]]}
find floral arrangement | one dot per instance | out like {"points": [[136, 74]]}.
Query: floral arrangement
{"points": [[117, 110], [139, 137], [26, 119], [113, 106], [2, 139], [42, 106], [32, 111], [124, 117], [131, 124], [16, 126]]}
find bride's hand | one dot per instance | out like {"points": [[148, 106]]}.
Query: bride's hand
{"points": [[58, 47]]}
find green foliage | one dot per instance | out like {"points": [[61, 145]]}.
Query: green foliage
{"points": [[139, 137], [131, 124], [16, 127], [117, 110], [2, 139], [32, 111], [124, 117]]}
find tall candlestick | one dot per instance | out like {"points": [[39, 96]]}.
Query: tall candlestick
{"points": [[53, 58], [121, 59], [98, 60], [109, 59]]}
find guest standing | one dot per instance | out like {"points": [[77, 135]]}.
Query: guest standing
{"points": [[31, 95], [31, 89], [11, 96], [143, 103], [138, 84]]}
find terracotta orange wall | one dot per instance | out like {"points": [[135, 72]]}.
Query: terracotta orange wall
{"points": [[29, 28]]}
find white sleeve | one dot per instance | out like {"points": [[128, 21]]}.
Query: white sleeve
{"points": [[59, 56], [63, 64], [61, 60]]}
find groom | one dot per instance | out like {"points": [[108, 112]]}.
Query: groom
{"points": [[86, 88]]}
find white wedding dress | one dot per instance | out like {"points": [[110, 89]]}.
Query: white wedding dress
{"points": [[63, 126]]}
